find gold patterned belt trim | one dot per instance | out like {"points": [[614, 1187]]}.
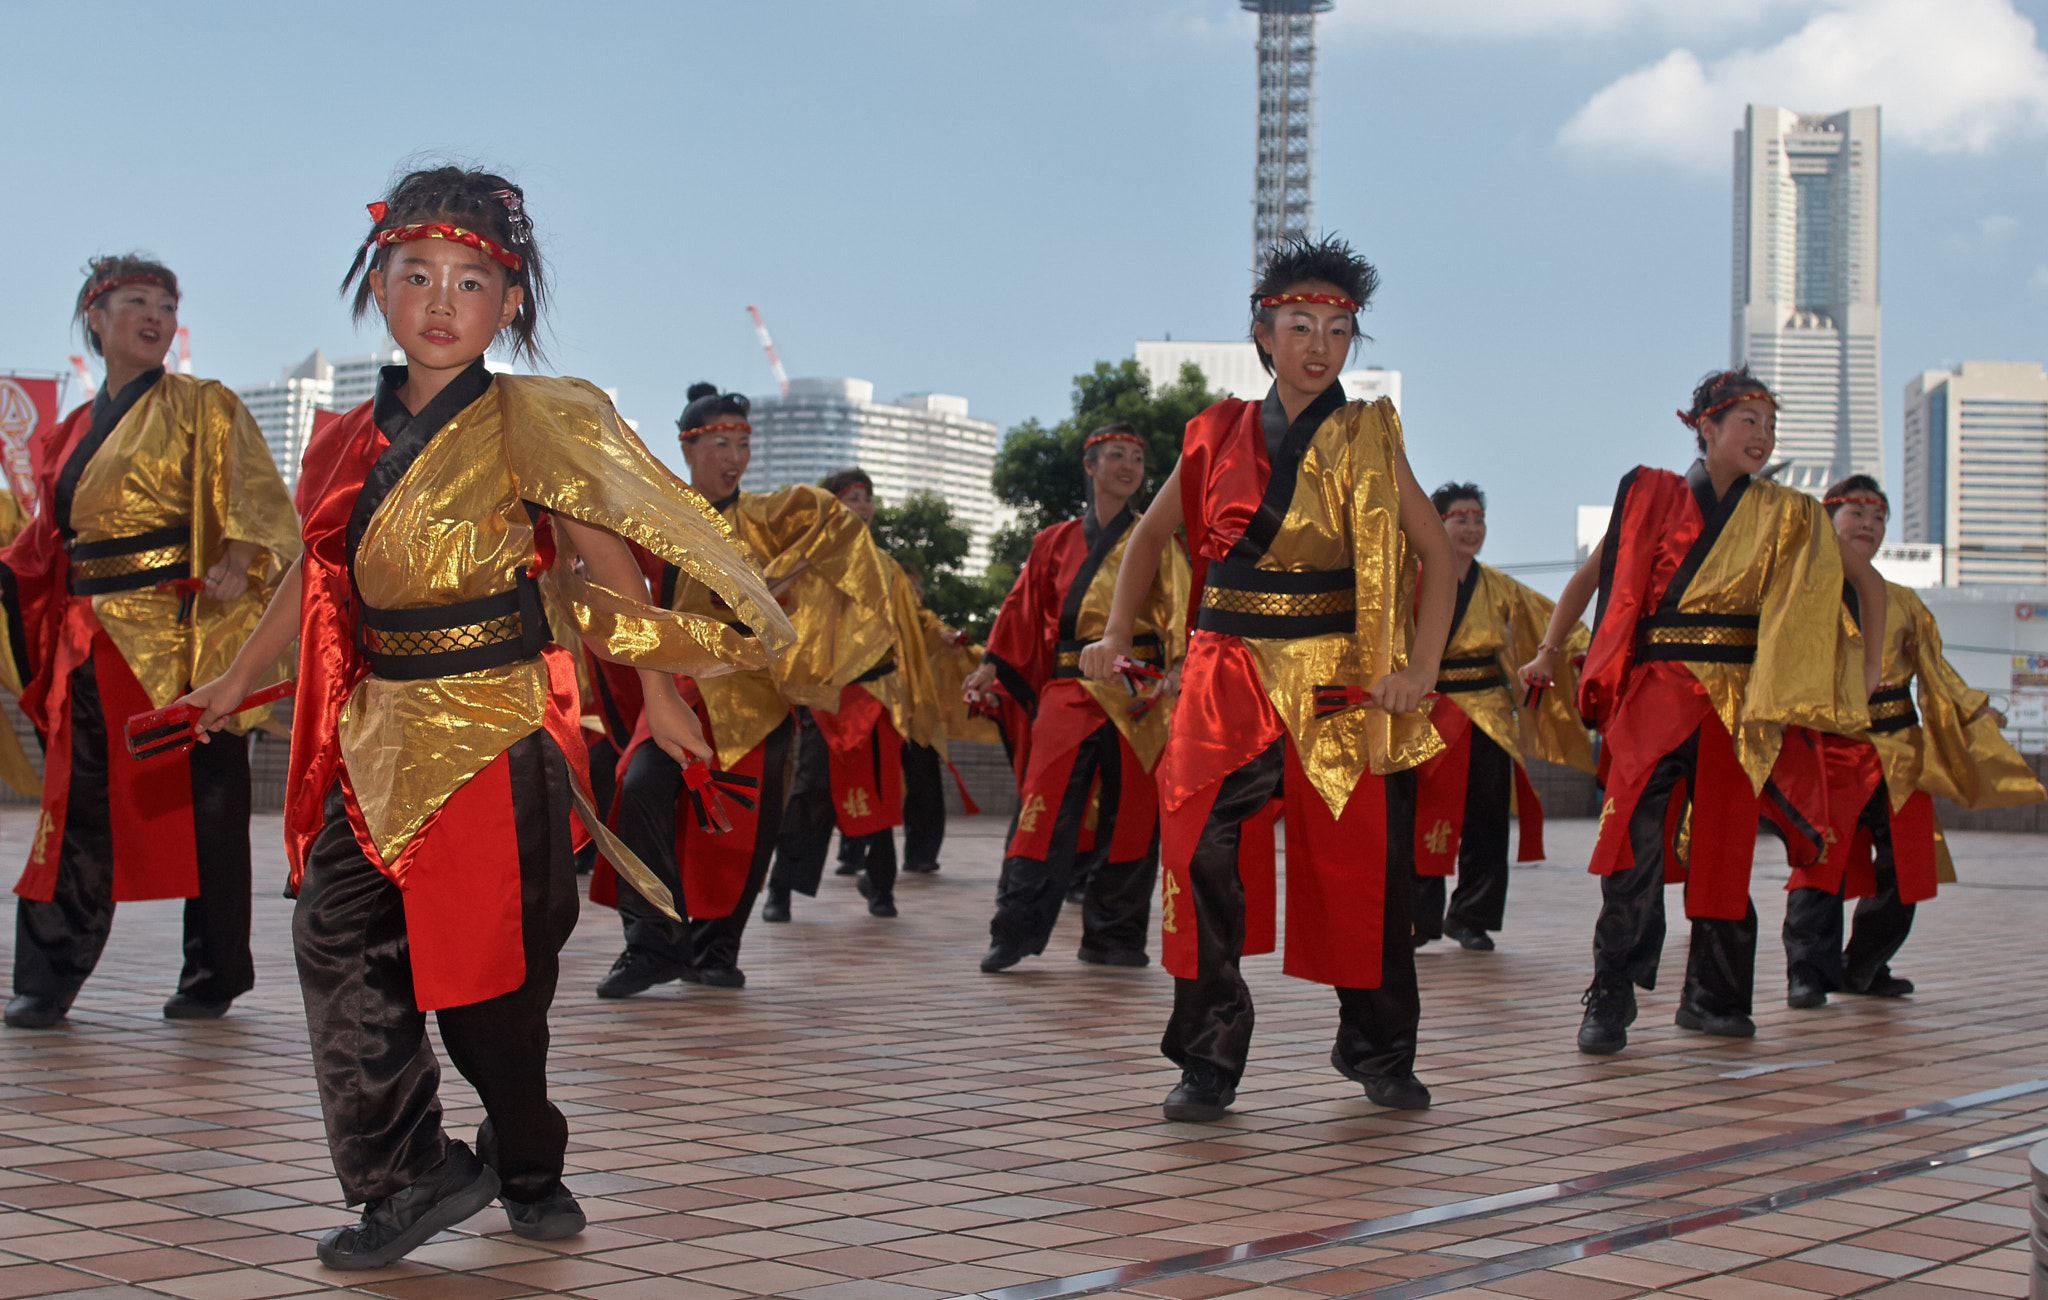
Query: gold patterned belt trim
{"points": [[121, 566], [443, 640], [1891, 709], [1698, 638], [1701, 636], [1474, 673], [1279, 604]]}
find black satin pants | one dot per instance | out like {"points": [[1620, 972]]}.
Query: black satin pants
{"points": [[1212, 1013], [648, 806], [875, 855], [1628, 939], [924, 805], [57, 944], [379, 1082], [1117, 907], [1479, 903], [1814, 951], [805, 837]]}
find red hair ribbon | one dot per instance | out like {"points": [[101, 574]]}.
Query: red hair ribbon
{"points": [[708, 788], [1759, 394], [377, 210], [1333, 299], [497, 252], [113, 282], [1112, 435], [718, 426]]}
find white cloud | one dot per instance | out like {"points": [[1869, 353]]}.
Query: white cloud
{"points": [[1951, 75]]}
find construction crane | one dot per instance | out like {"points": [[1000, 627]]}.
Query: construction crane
{"points": [[768, 346], [184, 350]]}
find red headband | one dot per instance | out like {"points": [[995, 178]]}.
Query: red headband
{"points": [[719, 426], [113, 282], [1112, 435], [851, 486], [497, 252], [1861, 496], [1476, 509], [1333, 299], [1759, 395]]}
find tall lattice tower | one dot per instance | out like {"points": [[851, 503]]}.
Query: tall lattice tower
{"points": [[1287, 64]]}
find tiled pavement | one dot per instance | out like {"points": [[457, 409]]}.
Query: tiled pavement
{"points": [[872, 1118]]}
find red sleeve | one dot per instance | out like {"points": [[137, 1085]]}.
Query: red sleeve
{"points": [[1020, 643], [1651, 506]]}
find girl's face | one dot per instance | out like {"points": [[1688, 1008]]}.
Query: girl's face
{"points": [[1860, 526], [1465, 524], [861, 501], [1119, 467], [1308, 341], [1741, 438], [717, 460], [136, 324], [444, 302]]}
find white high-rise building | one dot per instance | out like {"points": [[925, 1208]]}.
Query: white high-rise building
{"points": [[1806, 317], [284, 409], [919, 442], [1233, 369], [1976, 470]]}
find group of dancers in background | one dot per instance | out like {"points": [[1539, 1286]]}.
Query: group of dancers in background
{"points": [[520, 639]]}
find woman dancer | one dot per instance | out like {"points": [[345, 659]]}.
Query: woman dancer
{"points": [[1720, 624], [1301, 513], [162, 529], [436, 753]]}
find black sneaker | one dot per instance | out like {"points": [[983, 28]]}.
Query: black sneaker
{"points": [[716, 977], [1201, 1097], [185, 1007], [34, 1013], [1804, 995], [921, 868], [1001, 957], [1078, 894], [878, 904], [1132, 958], [1469, 940], [776, 908], [1883, 984], [1610, 1010], [397, 1225], [1714, 1023], [550, 1218], [1394, 1091], [637, 971]]}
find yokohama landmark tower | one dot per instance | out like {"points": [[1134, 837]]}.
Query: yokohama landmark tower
{"points": [[1287, 63]]}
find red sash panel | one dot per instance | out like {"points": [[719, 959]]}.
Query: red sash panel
{"points": [[866, 757], [1440, 792]]}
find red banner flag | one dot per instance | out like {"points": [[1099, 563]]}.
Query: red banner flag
{"points": [[28, 407]]}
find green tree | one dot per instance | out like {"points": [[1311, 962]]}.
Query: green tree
{"points": [[1038, 470], [922, 536]]}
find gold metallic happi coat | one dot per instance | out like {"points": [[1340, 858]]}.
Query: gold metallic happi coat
{"points": [[911, 693], [951, 666], [1505, 621], [456, 527], [838, 605], [1346, 513], [187, 452], [1777, 559], [1953, 752], [1164, 611]]}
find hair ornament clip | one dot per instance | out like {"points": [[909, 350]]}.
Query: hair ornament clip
{"points": [[515, 205], [377, 210]]}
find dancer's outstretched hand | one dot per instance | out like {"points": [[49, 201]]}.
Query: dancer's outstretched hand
{"points": [[217, 700], [1098, 658], [1401, 692], [1540, 673]]}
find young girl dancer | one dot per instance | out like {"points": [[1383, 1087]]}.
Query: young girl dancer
{"points": [[161, 480], [1720, 625], [435, 748], [1304, 523]]}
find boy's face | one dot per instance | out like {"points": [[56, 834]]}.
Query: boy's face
{"points": [[1308, 341]]}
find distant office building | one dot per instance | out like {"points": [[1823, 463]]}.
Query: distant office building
{"points": [[1233, 369], [1976, 470], [284, 409], [1806, 317], [919, 442]]}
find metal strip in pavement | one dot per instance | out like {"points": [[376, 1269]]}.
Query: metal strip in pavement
{"points": [[1606, 1243], [1363, 1229]]}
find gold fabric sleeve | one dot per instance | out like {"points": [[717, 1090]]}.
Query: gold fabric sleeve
{"points": [[1967, 762], [838, 603], [1164, 612], [1553, 730], [1778, 558], [950, 668], [570, 454], [1346, 513], [923, 715], [189, 453]]}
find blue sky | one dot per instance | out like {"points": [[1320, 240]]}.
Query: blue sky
{"points": [[986, 198]]}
